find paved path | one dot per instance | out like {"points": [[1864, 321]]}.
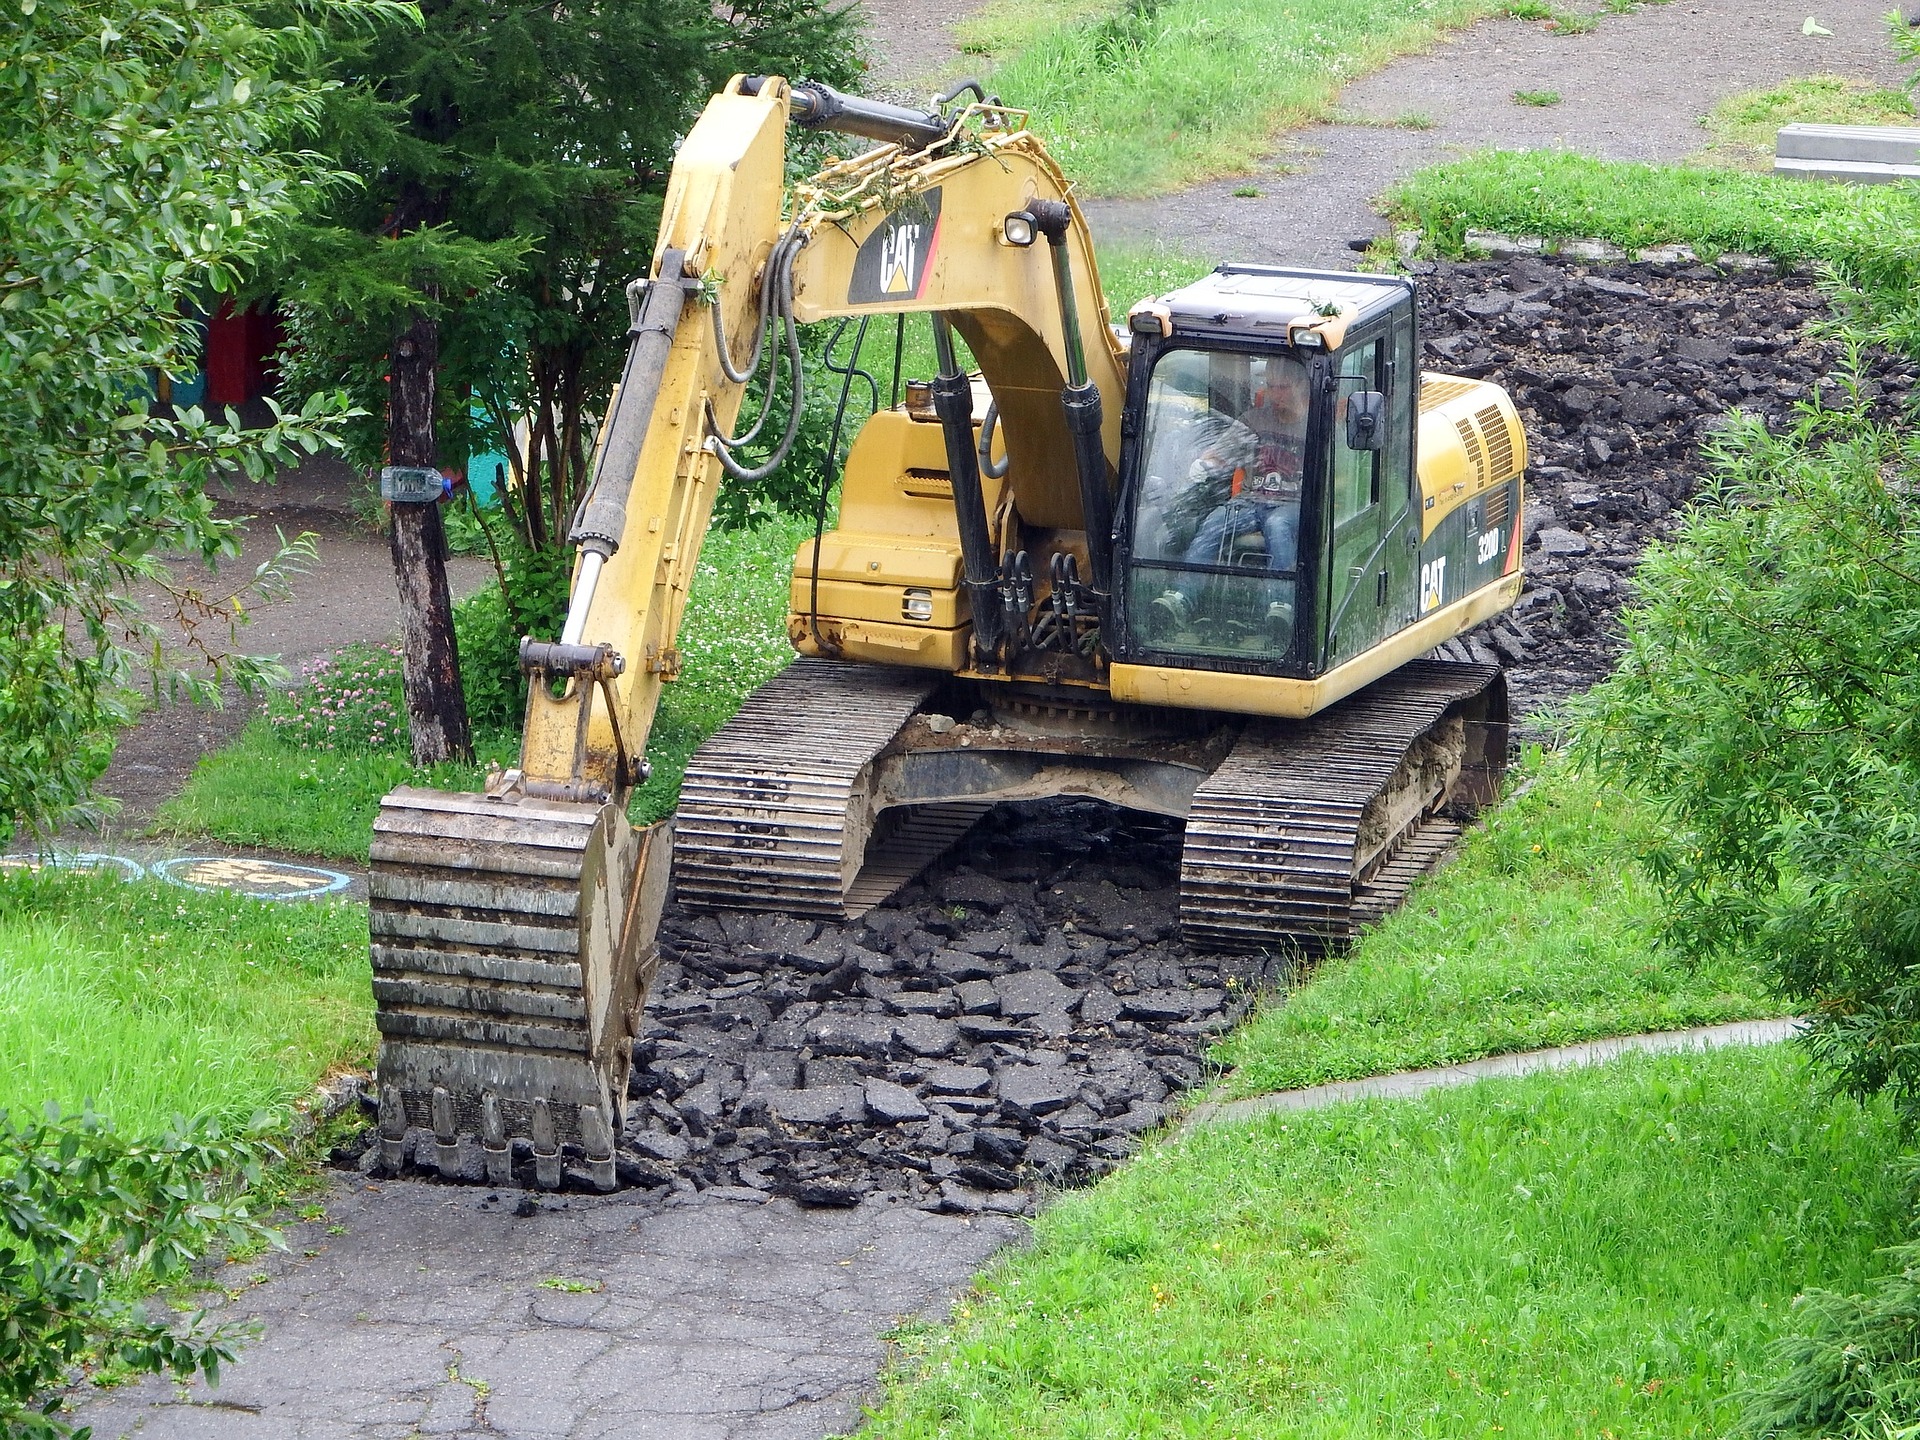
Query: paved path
{"points": [[1409, 1083], [1634, 89], [714, 1320]]}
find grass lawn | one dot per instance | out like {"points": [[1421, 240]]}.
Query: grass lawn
{"points": [[1601, 1254], [1142, 96], [1558, 194], [1744, 126], [1539, 934], [152, 1000]]}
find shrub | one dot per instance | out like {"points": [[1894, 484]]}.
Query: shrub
{"points": [[1767, 701], [352, 700], [87, 1221], [1854, 1371], [530, 598]]}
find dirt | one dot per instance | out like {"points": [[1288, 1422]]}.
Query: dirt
{"points": [[1633, 89]]}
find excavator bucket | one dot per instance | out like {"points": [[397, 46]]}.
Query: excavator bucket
{"points": [[512, 951]]}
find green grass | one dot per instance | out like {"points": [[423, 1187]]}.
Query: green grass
{"points": [[1152, 94], [151, 1000], [1744, 126], [263, 791], [1539, 934], [1538, 98], [1553, 193], [1601, 1254], [260, 790]]}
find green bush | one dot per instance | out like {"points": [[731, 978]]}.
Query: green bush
{"points": [[1854, 1372], [88, 1221], [1768, 700], [488, 625]]}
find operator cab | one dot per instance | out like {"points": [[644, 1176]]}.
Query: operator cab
{"points": [[1267, 472]]}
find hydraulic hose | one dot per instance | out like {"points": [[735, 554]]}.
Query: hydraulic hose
{"points": [[987, 467], [779, 282]]}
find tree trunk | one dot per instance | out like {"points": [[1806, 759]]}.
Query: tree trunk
{"points": [[436, 706]]}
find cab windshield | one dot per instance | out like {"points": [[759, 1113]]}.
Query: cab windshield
{"points": [[1216, 525]]}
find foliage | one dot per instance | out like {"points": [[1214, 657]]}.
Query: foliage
{"points": [[513, 161], [84, 1212], [148, 1000], [1766, 703], [529, 598], [1603, 1252], [1854, 1371], [1540, 933], [145, 161]]}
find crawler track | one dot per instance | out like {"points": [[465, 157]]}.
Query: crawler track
{"points": [[1276, 843], [1307, 830], [776, 809]]}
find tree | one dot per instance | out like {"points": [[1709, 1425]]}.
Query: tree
{"points": [[513, 160], [88, 1221], [1768, 700], [146, 158]]}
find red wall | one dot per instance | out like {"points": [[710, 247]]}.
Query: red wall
{"points": [[240, 348]]}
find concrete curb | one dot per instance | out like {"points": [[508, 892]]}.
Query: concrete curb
{"points": [[1496, 245], [1409, 1083]]}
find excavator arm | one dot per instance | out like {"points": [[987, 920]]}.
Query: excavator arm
{"points": [[513, 931]]}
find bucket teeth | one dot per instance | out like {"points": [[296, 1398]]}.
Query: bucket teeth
{"points": [[511, 948]]}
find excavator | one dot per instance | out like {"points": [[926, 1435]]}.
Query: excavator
{"points": [[1192, 564]]}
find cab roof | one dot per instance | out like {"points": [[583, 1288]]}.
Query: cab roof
{"points": [[1256, 298]]}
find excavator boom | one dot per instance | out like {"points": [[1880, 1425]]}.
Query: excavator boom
{"points": [[513, 931]]}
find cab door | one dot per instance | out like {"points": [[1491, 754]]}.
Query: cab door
{"points": [[1362, 510]]}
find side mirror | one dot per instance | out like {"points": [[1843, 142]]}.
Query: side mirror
{"points": [[1367, 421]]}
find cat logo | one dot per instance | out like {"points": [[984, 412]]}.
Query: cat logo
{"points": [[899, 258], [894, 260]]}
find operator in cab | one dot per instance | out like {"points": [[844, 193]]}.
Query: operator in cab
{"points": [[1244, 482]]}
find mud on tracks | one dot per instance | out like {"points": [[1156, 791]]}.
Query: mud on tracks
{"points": [[1024, 1012]]}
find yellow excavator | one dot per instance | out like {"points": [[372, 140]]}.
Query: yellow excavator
{"points": [[1187, 565]]}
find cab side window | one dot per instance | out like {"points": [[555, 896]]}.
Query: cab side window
{"points": [[1356, 473]]}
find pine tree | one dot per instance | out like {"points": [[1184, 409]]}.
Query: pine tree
{"points": [[513, 160]]}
